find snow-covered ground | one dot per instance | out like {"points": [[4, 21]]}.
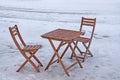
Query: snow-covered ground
{"points": [[35, 17]]}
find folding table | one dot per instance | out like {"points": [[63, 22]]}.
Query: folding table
{"points": [[62, 35]]}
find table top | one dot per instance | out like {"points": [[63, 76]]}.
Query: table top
{"points": [[62, 34]]}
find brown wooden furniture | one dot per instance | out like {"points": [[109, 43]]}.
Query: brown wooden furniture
{"points": [[62, 36], [86, 41], [24, 49]]}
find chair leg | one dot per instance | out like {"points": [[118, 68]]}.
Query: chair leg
{"points": [[35, 67], [31, 62], [85, 54], [22, 66], [88, 51], [37, 60], [23, 63]]}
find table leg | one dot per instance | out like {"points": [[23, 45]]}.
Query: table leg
{"points": [[56, 54], [75, 46], [50, 61], [73, 51], [64, 51]]}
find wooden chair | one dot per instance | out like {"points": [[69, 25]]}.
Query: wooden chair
{"points": [[25, 49], [86, 41]]}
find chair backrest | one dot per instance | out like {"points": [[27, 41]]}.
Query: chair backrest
{"points": [[88, 22], [15, 34]]}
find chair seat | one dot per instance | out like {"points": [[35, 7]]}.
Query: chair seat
{"points": [[82, 39], [31, 47]]}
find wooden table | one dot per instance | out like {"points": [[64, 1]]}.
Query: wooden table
{"points": [[64, 36]]}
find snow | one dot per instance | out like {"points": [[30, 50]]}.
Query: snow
{"points": [[36, 17]]}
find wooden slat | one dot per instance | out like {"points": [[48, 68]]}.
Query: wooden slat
{"points": [[82, 39], [31, 47]]}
